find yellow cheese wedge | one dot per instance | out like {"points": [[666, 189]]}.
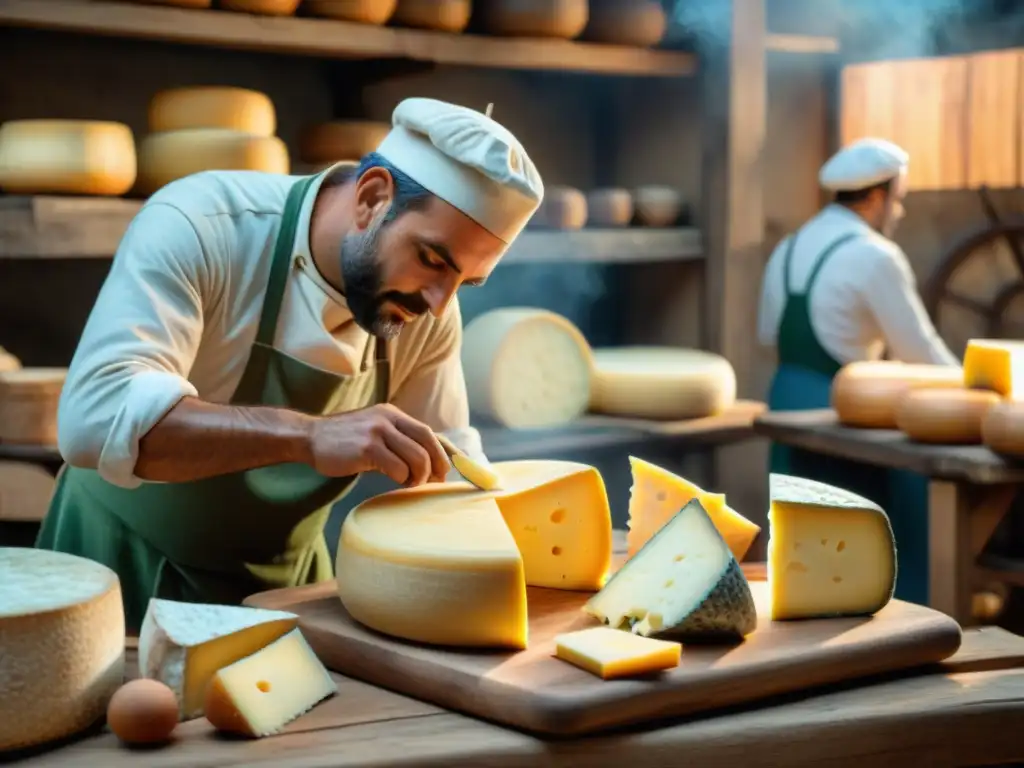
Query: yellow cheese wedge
{"points": [[657, 495], [262, 693], [830, 553], [995, 364], [611, 653]]}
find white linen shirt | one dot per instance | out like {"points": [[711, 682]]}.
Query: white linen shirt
{"points": [[864, 301], [179, 310]]}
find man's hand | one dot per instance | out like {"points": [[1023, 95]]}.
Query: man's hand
{"points": [[380, 438]]}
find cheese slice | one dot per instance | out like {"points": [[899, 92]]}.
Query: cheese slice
{"points": [[995, 364], [262, 693], [684, 584], [62, 635], [830, 552], [657, 495], [184, 644], [611, 653]]}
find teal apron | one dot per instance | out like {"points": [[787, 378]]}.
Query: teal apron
{"points": [[220, 539], [803, 381]]}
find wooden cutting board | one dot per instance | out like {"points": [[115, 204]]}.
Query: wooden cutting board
{"points": [[536, 692]]}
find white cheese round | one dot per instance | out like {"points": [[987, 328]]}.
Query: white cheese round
{"points": [[232, 109], [865, 394], [62, 638], [944, 416]]}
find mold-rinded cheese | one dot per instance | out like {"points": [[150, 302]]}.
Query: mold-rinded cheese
{"points": [[526, 368], [262, 693], [165, 157], [184, 644], [995, 364], [69, 157], [865, 394], [611, 653], [62, 634], [661, 383], [830, 551], [212, 106], [442, 15], [946, 416], [683, 585], [1002, 428], [657, 495]]}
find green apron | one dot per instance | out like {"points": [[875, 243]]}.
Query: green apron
{"points": [[222, 538]]}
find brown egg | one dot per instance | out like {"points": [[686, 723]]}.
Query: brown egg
{"points": [[143, 712]]}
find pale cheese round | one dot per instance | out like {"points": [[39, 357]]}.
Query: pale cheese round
{"points": [[62, 638], [865, 393], [1002, 428], [945, 416], [341, 140], [661, 383], [71, 157], [166, 157], [232, 109], [442, 15], [526, 368]]}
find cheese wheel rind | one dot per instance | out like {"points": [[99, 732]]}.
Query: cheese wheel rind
{"points": [[944, 416], [865, 393], [62, 637], [442, 15], [1002, 428], [227, 108]]}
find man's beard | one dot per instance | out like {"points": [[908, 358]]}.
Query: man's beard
{"points": [[361, 271]]}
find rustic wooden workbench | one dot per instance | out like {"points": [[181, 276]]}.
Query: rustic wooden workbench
{"points": [[970, 491]]}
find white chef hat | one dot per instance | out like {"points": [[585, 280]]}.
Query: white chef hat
{"points": [[467, 159], [863, 164]]}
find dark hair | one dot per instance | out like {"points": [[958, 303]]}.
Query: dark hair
{"points": [[410, 195], [850, 196]]}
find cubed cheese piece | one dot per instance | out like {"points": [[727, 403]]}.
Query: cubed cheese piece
{"points": [[995, 364], [657, 495], [684, 584], [830, 551], [611, 653], [262, 693], [184, 644], [233, 109], [62, 639]]}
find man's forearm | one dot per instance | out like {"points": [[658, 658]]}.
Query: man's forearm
{"points": [[196, 440]]}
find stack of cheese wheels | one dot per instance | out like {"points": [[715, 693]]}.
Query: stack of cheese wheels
{"points": [[442, 15], [363, 11], [323, 144], [534, 18], [526, 367], [866, 393], [562, 208], [997, 366], [209, 128], [661, 383]]}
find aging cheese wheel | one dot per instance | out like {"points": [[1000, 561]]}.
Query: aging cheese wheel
{"points": [[609, 207], [526, 368], [28, 405], [165, 157], [661, 383], [178, 3], [657, 206], [1002, 428], [262, 7], [442, 15], [562, 208], [363, 11], [341, 140], [534, 18], [62, 639], [946, 416], [233, 109], [641, 23], [866, 393], [74, 157]]}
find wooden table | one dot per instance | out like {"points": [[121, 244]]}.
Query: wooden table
{"points": [[970, 492]]}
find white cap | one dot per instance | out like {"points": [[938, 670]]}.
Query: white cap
{"points": [[863, 164], [467, 159]]}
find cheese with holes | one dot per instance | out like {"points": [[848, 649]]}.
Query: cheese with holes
{"points": [[944, 416], [262, 693], [184, 644], [526, 368], [62, 635], [68, 157], [165, 157], [865, 394], [1002, 428], [233, 109], [611, 653], [684, 585], [995, 364], [661, 383], [657, 495], [830, 551]]}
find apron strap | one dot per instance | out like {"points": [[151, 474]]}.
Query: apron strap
{"points": [[382, 382], [822, 258], [788, 262]]}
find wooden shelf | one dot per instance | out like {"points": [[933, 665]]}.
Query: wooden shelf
{"points": [[329, 39], [49, 227]]}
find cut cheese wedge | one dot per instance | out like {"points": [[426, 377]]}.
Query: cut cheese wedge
{"points": [[684, 584], [262, 693], [866, 394], [995, 364], [184, 644], [657, 495], [611, 653], [831, 552]]}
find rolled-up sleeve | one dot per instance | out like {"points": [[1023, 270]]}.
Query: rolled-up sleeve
{"points": [[133, 359]]}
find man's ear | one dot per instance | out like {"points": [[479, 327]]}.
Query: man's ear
{"points": [[375, 190]]}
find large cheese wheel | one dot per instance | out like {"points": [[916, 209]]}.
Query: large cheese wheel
{"points": [[626, 22], [442, 15], [164, 157], [534, 18], [341, 140], [526, 367], [363, 11], [1002, 428], [946, 416], [62, 636], [28, 405], [74, 157], [661, 383], [562, 208], [262, 7], [233, 109], [866, 393]]}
